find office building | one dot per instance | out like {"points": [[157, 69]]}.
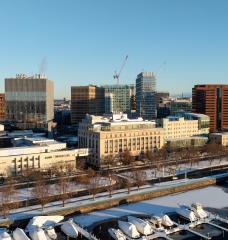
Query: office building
{"points": [[185, 126], [145, 95], [29, 101], [212, 100], [110, 136], [2, 106], [86, 100], [118, 98]]}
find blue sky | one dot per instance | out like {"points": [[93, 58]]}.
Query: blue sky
{"points": [[85, 41]]}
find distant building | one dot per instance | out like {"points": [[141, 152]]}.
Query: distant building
{"points": [[145, 95], [110, 136], [163, 111], [132, 98], [2, 106], [86, 100], [188, 125], [160, 96], [109, 101], [133, 103], [180, 104], [61, 104], [117, 98], [219, 138], [62, 117], [212, 100], [62, 112], [29, 101]]}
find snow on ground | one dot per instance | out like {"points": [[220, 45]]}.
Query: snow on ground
{"points": [[26, 193], [179, 169], [151, 206], [213, 196]]}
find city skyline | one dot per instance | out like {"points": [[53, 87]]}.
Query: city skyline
{"points": [[83, 42]]}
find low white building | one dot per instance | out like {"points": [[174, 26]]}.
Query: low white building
{"points": [[33, 153]]}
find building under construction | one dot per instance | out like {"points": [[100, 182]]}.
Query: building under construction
{"points": [[29, 101]]}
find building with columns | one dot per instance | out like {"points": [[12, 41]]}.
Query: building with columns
{"points": [[107, 136]]}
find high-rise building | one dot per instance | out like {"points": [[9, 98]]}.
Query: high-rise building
{"points": [[117, 98], [212, 100], [145, 95], [2, 106], [86, 100], [29, 101]]}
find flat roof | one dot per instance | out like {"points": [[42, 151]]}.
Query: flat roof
{"points": [[220, 133], [15, 151]]}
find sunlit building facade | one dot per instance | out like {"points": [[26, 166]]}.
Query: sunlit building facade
{"points": [[110, 136], [29, 101], [145, 95]]}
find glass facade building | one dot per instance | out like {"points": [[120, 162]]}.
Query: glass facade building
{"points": [[117, 98], [145, 95]]}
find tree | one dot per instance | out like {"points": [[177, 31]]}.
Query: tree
{"points": [[80, 164], [109, 161], [111, 180], [41, 191], [128, 182], [126, 158], [139, 178], [94, 182], [63, 188], [8, 197], [83, 179]]}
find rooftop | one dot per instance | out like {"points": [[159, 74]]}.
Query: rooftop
{"points": [[220, 133], [113, 119]]}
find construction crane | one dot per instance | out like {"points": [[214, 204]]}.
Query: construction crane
{"points": [[117, 75]]}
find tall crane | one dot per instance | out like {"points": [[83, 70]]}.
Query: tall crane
{"points": [[117, 75]]}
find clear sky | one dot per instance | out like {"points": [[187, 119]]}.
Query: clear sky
{"points": [[84, 41]]}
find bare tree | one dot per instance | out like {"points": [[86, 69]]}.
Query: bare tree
{"points": [[63, 188], [94, 182], [69, 168], [128, 183], [41, 192], [83, 179], [126, 158], [80, 164], [109, 161], [110, 184], [139, 178], [8, 197]]}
